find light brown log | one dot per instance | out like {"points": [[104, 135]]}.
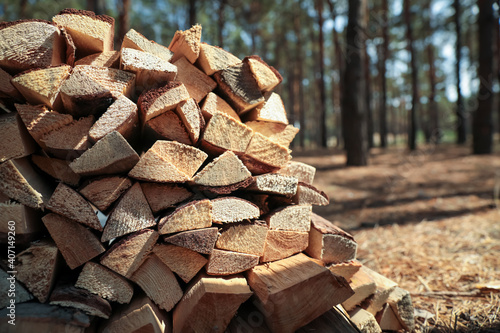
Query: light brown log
{"points": [[388, 321], [91, 33], [233, 209], [112, 154], [210, 303], [158, 282], [226, 169], [12, 290], [263, 155], [303, 172], [15, 141], [19, 181], [67, 202], [167, 126], [102, 192], [363, 286], [292, 218], [135, 40], [294, 291], [132, 213], [267, 77], [272, 110], [56, 168], [125, 256], [76, 243], [243, 237], [401, 304], [193, 215], [154, 102], [197, 83], [200, 240], [213, 104], [105, 283], [276, 132], [186, 44], [163, 196], [223, 262], [213, 59], [365, 321], [37, 268], [102, 59], [345, 269], [184, 262], [329, 243], [190, 114], [121, 116], [310, 195], [274, 183], [384, 288], [28, 224], [7, 90], [82, 299], [282, 244], [41, 45], [118, 82]]}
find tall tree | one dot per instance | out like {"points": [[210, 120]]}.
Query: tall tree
{"points": [[433, 121], [482, 130], [412, 126], [383, 67], [353, 115], [298, 90], [221, 21], [192, 12], [367, 81], [123, 20], [461, 125], [321, 79]]}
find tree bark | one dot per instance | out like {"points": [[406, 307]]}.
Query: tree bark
{"points": [[123, 20], [321, 80], [412, 128], [461, 125], [385, 56]]}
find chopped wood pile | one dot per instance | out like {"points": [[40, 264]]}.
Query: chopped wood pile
{"points": [[152, 189]]}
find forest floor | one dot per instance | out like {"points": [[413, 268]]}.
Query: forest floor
{"points": [[429, 220]]}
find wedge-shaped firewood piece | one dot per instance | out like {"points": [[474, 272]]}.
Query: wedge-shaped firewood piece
{"points": [[56, 168], [135, 40], [214, 104], [150, 71], [263, 155], [272, 110], [15, 141], [182, 261], [168, 126], [121, 116], [154, 102], [186, 44], [210, 303], [104, 282], [19, 181], [239, 86], [41, 45], [310, 195], [303, 172], [132, 213], [365, 321], [102, 192], [329, 243], [401, 304], [18, 294], [103, 59], [201, 240], [223, 262], [233, 209], [191, 116], [76, 243], [281, 244], [70, 296], [28, 223], [197, 83], [69, 203], [91, 33], [37, 268], [267, 77], [193, 215], [162, 196], [41, 86], [243, 237], [118, 82], [158, 282], [227, 169], [345, 269], [388, 321], [112, 154], [213, 59], [224, 133], [363, 286], [294, 291], [276, 132], [274, 183], [7, 90], [384, 288], [292, 218]]}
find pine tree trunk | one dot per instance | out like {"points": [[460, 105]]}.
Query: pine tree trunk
{"points": [[385, 56], [435, 135], [367, 82], [123, 20], [412, 126], [321, 80], [221, 21], [461, 125], [299, 75], [192, 12]]}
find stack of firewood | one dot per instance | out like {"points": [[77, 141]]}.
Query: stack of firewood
{"points": [[151, 189]]}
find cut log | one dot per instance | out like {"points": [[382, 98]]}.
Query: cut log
{"points": [[197, 83], [210, 303], [329, 243], [388, 321], [104, 59], [401, 304], [158, 282], [331, 321], [125, 256], [37, 268], [19, 181], [186, 44], [41, 86], [213, 104], [15, 141], [200, 240], [384, 288], [118, 82], [56, 168], [243, 237], [102, 192], [150, 71], [274, 183], [91, 33], [223, 262], [294, 291], [282, 244], [13, 290], [163, 196], [70, 296], [193, 215], [69, 203], [272, 110], [267, 77], [292, 218], [28, 223], [76, 243], [7, 90], [310, 195], [263, 155], [154, 102], [167, 126], [363, 286], [303, 172], [345, 269], [132, 213], [233, 209], [239, 86], [112, 154], [276, 132], [135, 40], [121, 116], [365, 321], [213, 59], [182, 261], [105, 283], [191, 116], [41, 45], [225, 170]]}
